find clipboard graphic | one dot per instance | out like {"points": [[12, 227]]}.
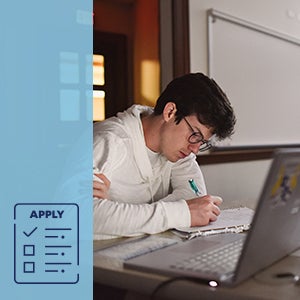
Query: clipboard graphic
{"points": [[46, 243]]}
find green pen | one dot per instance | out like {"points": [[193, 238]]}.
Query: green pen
{"points": [[194, 187]]}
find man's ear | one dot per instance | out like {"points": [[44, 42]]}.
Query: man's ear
{"points": [[169, 111]]}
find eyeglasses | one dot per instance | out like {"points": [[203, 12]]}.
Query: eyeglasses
{"points": [[197, 137]]}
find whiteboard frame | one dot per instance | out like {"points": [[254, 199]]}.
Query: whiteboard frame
{"points": [[213, 15]]}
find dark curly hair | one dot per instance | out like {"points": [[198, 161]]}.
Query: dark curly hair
{"points": [[197, 94]]}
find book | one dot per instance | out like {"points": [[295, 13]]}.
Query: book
{"points": [[234, 220]]}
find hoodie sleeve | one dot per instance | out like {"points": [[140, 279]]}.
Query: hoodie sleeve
{"points": [[113, 219], [181, 172]]}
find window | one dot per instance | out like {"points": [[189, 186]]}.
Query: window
{"points": [[98, 88], [111, 79]]}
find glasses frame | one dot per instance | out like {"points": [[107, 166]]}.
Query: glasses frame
{"points": [[205, 144]]}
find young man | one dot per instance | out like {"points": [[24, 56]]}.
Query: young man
{"points": [[146, 157]]}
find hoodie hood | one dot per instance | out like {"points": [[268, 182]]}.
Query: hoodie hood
{"points": [[131, 119]]}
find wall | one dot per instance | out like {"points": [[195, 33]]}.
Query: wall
{"points": [[114, 16], [239, 183], [280, 15], [139, 21], [146, 52]]}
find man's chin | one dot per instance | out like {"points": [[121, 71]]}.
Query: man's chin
{"points": [[171, 159], [174, 159]]}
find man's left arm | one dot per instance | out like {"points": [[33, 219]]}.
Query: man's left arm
{"points": [[181, 172]]}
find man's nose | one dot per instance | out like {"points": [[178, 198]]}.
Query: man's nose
{"points": [[194, 147]]}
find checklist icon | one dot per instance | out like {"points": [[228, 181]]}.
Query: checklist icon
{"points": [[28, 267], [28, 250], [46, 243]]}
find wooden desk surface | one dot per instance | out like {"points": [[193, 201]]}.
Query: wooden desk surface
{"points": [[263, 285]]}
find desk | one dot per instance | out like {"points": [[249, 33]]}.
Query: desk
{"points": [[262, 286]]}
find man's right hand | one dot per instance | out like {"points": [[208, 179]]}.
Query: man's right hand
{"points": [[101, 187], [204, 209]]}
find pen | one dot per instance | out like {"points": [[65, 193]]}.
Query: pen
{"points": [[194, 187]]}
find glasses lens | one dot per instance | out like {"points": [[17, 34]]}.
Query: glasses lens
{"points": [[195, 138]]}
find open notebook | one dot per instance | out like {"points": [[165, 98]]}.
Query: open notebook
{"points": [[233, 220]]}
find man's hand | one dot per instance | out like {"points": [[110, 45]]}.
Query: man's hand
{"points": [[101, 186], [204, 209]]}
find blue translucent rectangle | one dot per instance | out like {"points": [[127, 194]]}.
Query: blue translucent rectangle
{"points": [[46, 148]]}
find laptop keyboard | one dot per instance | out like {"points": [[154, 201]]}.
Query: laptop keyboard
{"points": [[133, 248], [218, 261]]}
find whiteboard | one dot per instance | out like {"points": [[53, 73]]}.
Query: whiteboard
{"points": [[259, 70]]}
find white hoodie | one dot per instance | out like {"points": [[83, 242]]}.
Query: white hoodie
{"points": [[147, 191]]}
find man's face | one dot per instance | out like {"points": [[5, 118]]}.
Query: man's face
{"points": [[174, 139]]}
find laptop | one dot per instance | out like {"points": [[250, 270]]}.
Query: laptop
{"points": [[274, 233]]}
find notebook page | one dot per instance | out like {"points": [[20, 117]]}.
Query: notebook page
{"points": [[232, 217]]}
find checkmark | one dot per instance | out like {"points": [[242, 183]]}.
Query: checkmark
{"points": [[31, 232]]}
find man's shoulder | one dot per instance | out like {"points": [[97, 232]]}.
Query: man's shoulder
{"points": [[186, 162], [111, 126]]}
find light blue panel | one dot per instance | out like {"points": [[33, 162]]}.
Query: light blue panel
{"points": [[69, 67], [89, 68], [70, 105], [46, 150], [89, 105]]}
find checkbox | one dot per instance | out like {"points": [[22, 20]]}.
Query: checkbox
{"points": [[28, 267], [28, 250]]}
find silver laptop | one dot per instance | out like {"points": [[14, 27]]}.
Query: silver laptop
{"points": [[231, 258]]}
